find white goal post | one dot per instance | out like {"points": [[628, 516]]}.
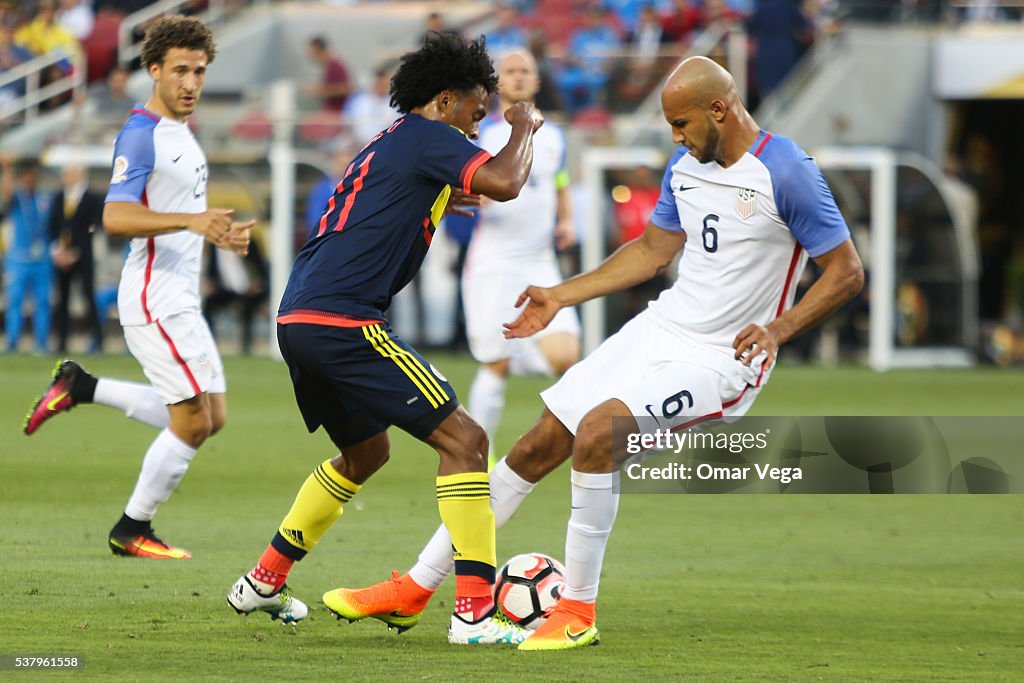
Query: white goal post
{"points": [[882, 164]]}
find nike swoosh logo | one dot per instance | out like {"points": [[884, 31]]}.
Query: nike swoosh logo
{"points": [[691, 187], [576, 636], [52, 405], [175, 159], [651, 413]]}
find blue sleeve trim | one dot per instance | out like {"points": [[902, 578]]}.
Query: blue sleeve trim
{"points": [[666, 213], [133, 159], [803, 197]]}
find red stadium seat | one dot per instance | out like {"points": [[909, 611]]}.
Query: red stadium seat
{"points": [[253, 127], [320, 127]]}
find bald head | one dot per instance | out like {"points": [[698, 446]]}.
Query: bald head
{"points": [[701, 103], [697, 82], [517, 76]]}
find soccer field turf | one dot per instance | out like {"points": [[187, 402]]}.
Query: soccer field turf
{"points": [[714, 588]]}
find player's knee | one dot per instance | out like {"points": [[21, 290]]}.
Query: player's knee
{"points": [[196, 430], [217, 422], [541, 450], [593, 446], [470, 452]]}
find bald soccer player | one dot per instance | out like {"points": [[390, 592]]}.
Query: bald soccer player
{"points": [[514, 246]]}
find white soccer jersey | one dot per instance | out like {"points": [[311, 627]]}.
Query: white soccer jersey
{"points": [[749, 229], [159, 164], [524, 227]]}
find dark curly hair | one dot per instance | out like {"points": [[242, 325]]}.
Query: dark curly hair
{"points": [[168, 33], [445, 62]]}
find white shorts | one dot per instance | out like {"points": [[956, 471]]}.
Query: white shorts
{"points": [[178, 356], [489, 297], [666, 380]]}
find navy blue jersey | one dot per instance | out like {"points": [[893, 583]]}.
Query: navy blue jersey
{"points": [[376, 228]]}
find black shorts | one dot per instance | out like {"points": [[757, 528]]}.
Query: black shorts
{"points": [[358, 381]]}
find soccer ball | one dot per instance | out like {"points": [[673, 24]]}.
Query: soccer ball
{"points": [[529, 587]]}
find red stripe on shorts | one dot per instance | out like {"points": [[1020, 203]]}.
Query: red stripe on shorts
{"points": [[181, 361]]}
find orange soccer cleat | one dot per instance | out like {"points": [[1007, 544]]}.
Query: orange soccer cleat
{"points": [[146, 545], [570, 625], [398, 602]]}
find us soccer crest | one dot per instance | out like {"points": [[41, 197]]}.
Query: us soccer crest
{"points": [[746, 204]]}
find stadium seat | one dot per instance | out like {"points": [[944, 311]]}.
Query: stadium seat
{"points": [[320, 127], [100, 46], [253, 127]]}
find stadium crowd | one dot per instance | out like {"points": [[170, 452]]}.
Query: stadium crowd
{"points": [[596, 58]]}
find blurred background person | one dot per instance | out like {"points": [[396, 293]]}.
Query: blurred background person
{"points": [[27, 261], [77, 17], [782, 34], [77, 212], [507, 34], [335, 85], [369, 110], [584, 74], [240, 282], [108, 104]]}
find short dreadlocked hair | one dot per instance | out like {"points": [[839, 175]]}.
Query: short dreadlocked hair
{"points": [[168, 33], [445, 62]]}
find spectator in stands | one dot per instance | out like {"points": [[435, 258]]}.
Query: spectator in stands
{"points": [[549, 97], [646, 38], [435, 24], [507, 34], [685, 17], [77, 212], [77, 17], [369, 110], [109, 104], [718, 14], [43, 35], [27, 261], [782, 34], [626, 13], [335, 86], [11, 55], [585, 72]]}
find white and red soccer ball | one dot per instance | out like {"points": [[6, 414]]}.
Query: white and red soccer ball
{"points": [[528, 588]]}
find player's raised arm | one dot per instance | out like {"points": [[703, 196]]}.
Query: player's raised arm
{"points": [[634, 262], [502, 176], [841, 280]]}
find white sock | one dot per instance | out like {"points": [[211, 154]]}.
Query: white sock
{"points": [[138, 401], [508, 490], [594, 504], [487, 400], [163, 467], [530, 360]]}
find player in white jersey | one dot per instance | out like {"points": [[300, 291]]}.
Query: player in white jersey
{"points": [[513, 246], [157, 197], [747, 205]]}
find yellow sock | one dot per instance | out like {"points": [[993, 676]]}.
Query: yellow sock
{"points": [[464, 501], [316, 507]]}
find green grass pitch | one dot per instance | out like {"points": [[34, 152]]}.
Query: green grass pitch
{"points": [[709, 588]]}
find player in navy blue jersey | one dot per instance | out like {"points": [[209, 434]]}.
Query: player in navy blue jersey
{"points": [[351, 374]]}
